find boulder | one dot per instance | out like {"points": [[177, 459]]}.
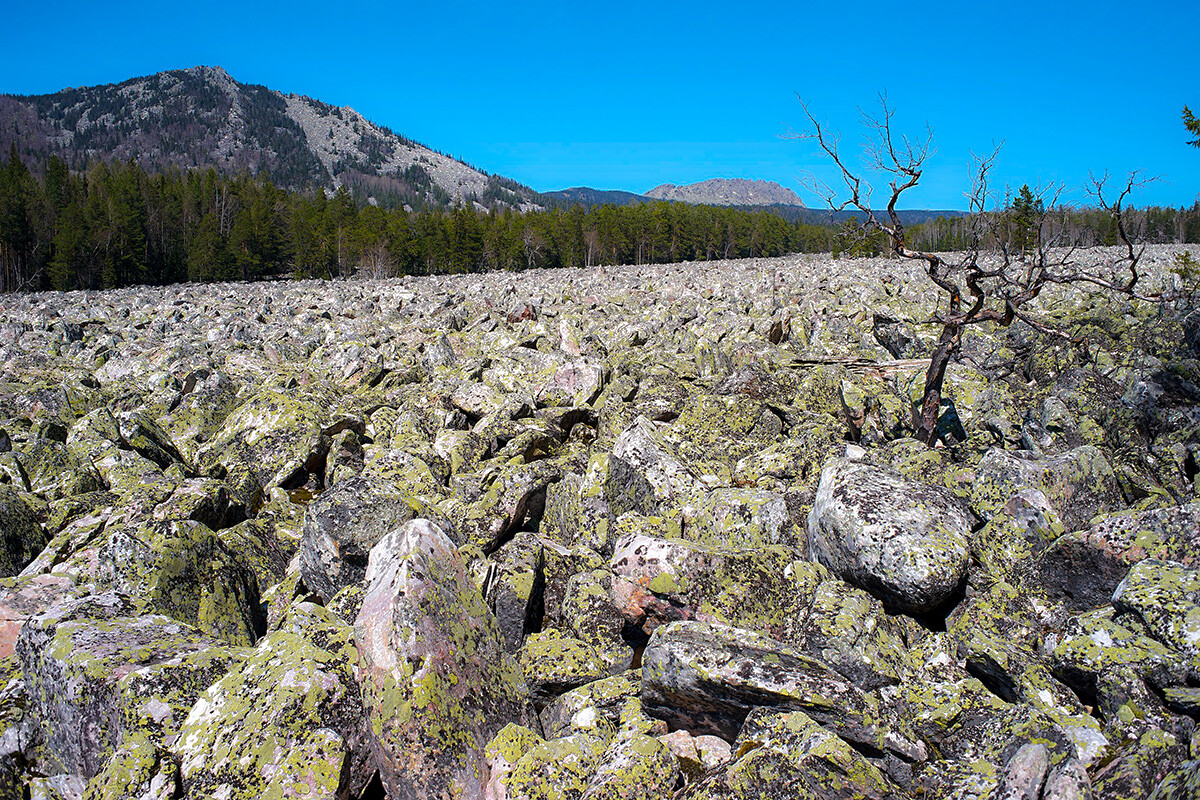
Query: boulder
{"points": [[288, 722], [74, 657], [904, 542], [22, 537], [1084, 567], [182, 569], [1080, 483], [436, 681], [1166, 595], [706, 678], [790, 755], [341, 526]]}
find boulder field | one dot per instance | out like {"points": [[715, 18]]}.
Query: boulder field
{"points": [[624, 532]]}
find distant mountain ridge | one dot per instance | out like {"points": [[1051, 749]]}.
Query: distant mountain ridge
{"points": [[728, 192], [202, 117]]}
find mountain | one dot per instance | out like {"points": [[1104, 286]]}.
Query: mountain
{"points": [[588, 197], [728, 192], [202, 117]]}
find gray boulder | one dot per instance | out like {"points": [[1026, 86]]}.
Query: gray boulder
{"points": [[341, 526], [706, 678], [21, 537], [74, 657], [902, 541]]}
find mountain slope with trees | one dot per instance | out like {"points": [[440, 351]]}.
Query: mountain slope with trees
{"points": [[201, 117]]}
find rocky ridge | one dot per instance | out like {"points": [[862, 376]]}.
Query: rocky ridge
{"points": [[612, 533], [728, 192]]}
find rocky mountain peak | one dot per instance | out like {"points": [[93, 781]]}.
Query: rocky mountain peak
{"points": [[728, 192]]}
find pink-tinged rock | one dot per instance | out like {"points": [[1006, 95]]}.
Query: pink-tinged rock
{"points": [[23, 598], [435, 678], [573, 384]]}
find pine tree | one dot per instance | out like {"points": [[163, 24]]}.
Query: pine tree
{"points": [[1193, 126]]}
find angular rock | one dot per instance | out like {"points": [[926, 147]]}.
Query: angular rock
{"points": [[1166, 595], [74, 657], [21, 537], [435, 677], [1080, 483], [1084, 567], [790, 755], [706, 678], [183, 570], [340, 528], [290, 719]]}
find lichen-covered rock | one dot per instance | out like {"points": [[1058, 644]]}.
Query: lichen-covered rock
{"points": [[644, 475], [902, 541], [270, 440], [1085, 566], [1181, 784], [588, 610], [289, 722], [74, 657], [635, 767], [154, 699], [1166, 595], [742, 518], [577, 509], [138, 770], [503, 752], [515, 493], [54, 472], [560, 769], [340, 528], [514, 588], [1080, 483], [1024, 528], [23, 598], [184, 570], [763, 589], [791, 755], [706, 678], [553, 663], [436, 680], [204, 500], [21, 537], [610, 703], [1106, 661]]}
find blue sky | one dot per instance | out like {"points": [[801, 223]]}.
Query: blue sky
{"points": [[631, 95]]}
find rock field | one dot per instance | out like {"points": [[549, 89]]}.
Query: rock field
{"points": [[652, 532]]}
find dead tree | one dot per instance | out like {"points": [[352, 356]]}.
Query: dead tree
{"points": [[988, 282]]}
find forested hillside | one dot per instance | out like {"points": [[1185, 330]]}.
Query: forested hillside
{"points": [[117, 225]]}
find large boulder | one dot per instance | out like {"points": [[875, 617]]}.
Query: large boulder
{"points": [[435, 677], [184, 570], [905, 542], [74, 657], [706, 678], [1084, 567], [289, 722], [21, 537], [340, 528], [788, 754], [1080, 483]]}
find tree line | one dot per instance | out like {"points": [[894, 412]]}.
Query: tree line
{"points": [[116, 225]]}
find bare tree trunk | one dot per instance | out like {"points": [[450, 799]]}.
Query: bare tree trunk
{"points": [[931, 402]]}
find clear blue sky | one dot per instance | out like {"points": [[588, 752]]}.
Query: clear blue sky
{"points": [[630, 95]]}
